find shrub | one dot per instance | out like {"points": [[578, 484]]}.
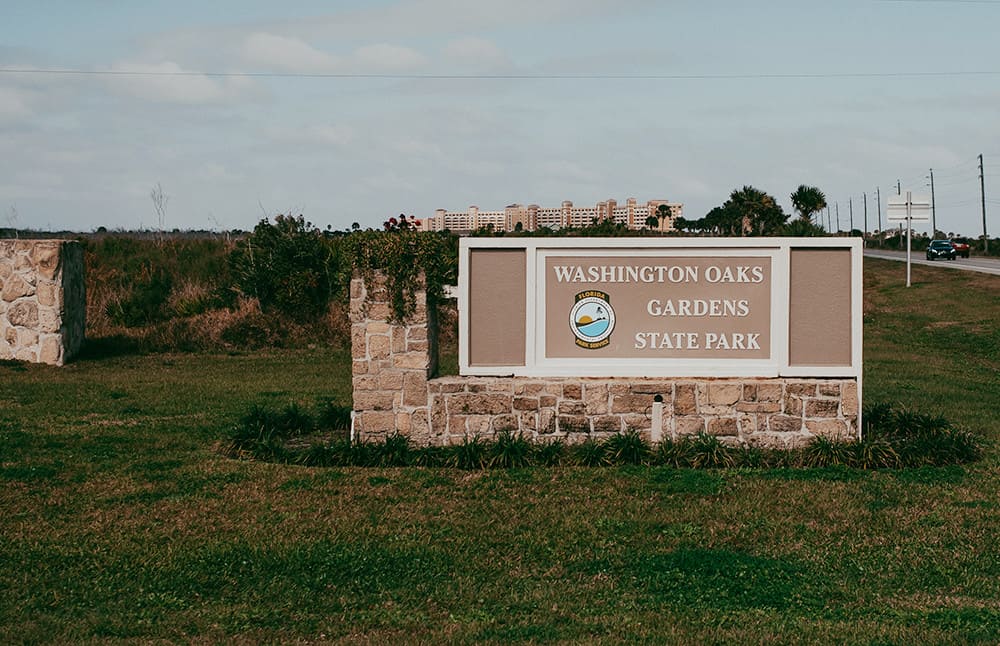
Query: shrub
{"points": [[627, 448], [469, 455], [590, 453], [510, 451], [708, 452], [288, 266], [551, 454]]}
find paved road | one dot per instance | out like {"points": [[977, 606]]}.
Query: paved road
{"points": [[983, 265]]}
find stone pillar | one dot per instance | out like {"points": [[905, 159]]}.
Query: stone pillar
{"points": [[392, 362], [42, 300]]}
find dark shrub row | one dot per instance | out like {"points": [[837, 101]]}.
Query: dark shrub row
{"points": [[892, 439]]}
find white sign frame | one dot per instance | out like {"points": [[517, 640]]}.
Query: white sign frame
{"points": [[777, 249]]}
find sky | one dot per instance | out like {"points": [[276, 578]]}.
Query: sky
{"points": [[351, 111]]}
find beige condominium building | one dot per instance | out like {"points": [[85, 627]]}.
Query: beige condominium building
{"points": [[517, 217]]}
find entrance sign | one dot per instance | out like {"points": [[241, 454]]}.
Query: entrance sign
{"points": [[660, 307]]}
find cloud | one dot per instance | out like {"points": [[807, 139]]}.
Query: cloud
{"points": [[285, 53], [169, 82], [386, 57], [15, 103], [470, 51]]}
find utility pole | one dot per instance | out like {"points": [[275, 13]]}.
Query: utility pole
{"points": [[878, 195], [933, 209], [829, 227], [982, 194], [899, 191], [864, 238], [850, 205], [836, 207]]}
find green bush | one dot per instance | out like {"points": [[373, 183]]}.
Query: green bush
{"points": [[894, 439], [288, 266]]}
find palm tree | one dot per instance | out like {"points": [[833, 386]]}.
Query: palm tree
{"points": [[662, 213], [808, 200]]}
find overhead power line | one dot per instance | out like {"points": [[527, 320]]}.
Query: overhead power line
{"points": [[499, 77]]}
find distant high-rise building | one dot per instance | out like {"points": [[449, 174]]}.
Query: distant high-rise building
{"points": [[533, 217]]}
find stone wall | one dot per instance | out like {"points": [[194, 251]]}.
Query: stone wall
{"points": [[393, 393], [42, 300]]}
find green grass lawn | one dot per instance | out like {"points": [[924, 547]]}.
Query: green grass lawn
{"points": [[122, 522]]}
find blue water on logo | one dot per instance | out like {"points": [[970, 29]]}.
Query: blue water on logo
{"points": [[596, 328]]}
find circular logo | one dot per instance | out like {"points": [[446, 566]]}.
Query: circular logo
{"points": [[592, 320]]}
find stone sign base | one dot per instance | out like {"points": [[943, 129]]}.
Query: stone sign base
{"points": [[394, 394], [42, 300]]}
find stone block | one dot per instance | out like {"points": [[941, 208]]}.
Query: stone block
{"points": [[769, 392], [849, 398], [801, 388], [758, 407], [822, 407], [403, 420], [784, 424], [525, 403], [367, 382], [632, 403], [26, 337], [685, 399], [636, 422], [570, 407], [793, 405], [23, 313], [723, 426], [457, 425], [505, 424], [478, 425], [414, 389], [416, 333], [451, 386], [596, 398], [374, 400], [529, 422], [546, 421], [419, 425], [411, 360], [358, 347], [398, 338], [480, 404], [6, 353], [416, 346], [608, 424], [574, 424], [16, 287], [572, 391], [359, 367], [26, 354], [379, 346], [749, 392], [724, 394], [547, 401], [689, 425], [357, 288], [829, 389], [379, 311], [390, 379], [529, 388], [45, 257], [48, 320], [832, 429], [377, 422]]}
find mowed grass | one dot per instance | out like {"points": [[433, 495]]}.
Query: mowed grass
{"points": [[122, 522]]}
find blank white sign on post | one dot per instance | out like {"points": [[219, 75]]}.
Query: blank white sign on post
{"points": [[914, 207]]}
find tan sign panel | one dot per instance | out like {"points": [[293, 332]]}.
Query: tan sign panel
{"points": [[666, 307]]}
